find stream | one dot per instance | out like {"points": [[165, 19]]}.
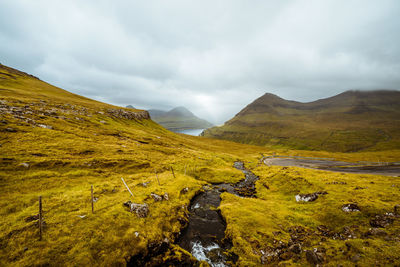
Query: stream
{"points": [[204, 236]]}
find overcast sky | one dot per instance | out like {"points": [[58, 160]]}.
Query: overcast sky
{"points": [[214, 57]]}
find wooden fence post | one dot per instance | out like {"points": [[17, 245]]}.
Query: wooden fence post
{"points": [[91, 190], [172, 170], [126, 186], [40, 218], [185, 169], [157, 178]]}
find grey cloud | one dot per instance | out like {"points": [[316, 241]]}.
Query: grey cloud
{"points": [[213, 57]]}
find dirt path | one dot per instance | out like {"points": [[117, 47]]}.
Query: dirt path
{"points": [[391, 169]]}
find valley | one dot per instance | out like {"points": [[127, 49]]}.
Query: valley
{"points": [[196, 201], [179, 120]]}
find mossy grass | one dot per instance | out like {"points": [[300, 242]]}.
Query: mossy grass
{"points": [[253, 223], [57, 145]]}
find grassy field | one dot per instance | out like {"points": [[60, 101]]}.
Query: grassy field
{"points": [[57, 145], [274, 221]]}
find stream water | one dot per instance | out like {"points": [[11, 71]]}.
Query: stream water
{"points": [[204, 236]]}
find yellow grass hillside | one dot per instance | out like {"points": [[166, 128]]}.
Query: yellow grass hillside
{"points": [[57, 145]]}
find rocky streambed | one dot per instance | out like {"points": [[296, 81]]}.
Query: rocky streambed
{"points": [[204, 233], [204, 236]]}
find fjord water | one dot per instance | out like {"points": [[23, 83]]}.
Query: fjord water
{"points": [[194, 132]]}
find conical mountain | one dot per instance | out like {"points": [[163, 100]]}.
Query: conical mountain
{"points": [[178, 119]]}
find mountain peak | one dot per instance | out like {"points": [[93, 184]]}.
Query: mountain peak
{"points": [[180, 111], [350, 121]]}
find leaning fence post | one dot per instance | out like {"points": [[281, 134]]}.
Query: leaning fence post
{"points": [[91, 190], [126, 186], [157, 178], [172, 170], [40, 218]]}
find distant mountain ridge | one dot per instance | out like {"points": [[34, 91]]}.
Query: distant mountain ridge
{"points": [[178, 119], [178, 111], [350, 121]]}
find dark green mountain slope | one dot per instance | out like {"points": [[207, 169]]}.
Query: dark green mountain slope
{"points": [[350, 121], [177, 119]]}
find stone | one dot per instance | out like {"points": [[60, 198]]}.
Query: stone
{"points": [[306, 197], [381, 221], [295, 248], [269, 256], [166, 196], [130, 115], [156, 197], [376, 232], [184, 190], [45, 126], [324, 230], [309, 197], [25, 164], [144, 184], [314, 256], [348, 232], [351, 207], [141, 210], [103, 122], [10, 130]]}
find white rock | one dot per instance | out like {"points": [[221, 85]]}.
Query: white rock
{"points": [[24, 164], [45, 126]]}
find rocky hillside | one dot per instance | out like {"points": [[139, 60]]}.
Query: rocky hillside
{"points": [[348, 122], [73, 151], [178, 119], [57, 145]]}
